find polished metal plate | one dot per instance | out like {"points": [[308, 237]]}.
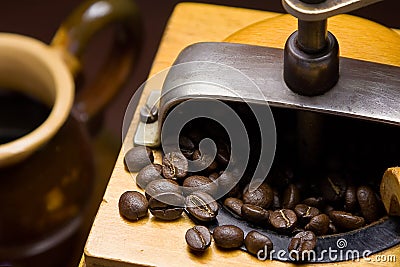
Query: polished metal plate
{"points": [[365, 90]]}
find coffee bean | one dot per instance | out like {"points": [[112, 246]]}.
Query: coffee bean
{"points": [[204, 162], [317, 202], [223, 153], [305, 213], [369, 204], [346, 220], [291, 197], [296, 230], [175, 165], [198, 238], [234, 205], [301, 243], [255, 214], [261, 196], [132, 205], [138, 157], [167, 206], [228, 236], [202, 206], [199, 183], [333, 188], [318, 224], [350, 199], [186, 146], [159, 186], [147, 174], [256, 241], [283, 220]]}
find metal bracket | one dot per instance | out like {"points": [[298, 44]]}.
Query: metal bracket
{"points": [[365, 90], [147, 130], [324, 10]]}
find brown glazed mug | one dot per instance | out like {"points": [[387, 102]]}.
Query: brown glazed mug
{"points": [[46, 162]]}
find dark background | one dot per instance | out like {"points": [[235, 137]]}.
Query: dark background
{"points": [[40, 19]]}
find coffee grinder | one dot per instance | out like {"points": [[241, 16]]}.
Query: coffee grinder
{"points": [[329, 111]]}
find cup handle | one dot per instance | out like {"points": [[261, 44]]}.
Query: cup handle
{"points": [[75, 33]]}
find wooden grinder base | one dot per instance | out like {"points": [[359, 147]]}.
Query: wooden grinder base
{"points": [[149, 242]]}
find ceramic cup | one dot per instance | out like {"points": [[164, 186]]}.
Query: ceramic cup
{"points": [[46, 173], [47, 72]]}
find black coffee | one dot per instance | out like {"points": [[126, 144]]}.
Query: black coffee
{"points": [[19, 115]]}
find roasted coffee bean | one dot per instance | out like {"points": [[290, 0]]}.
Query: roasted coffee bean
{"points": [[370, 207], [256, 241], [138, 157], [204, 162], [223, 154], [296, 230], [159, 186], [228, 236], [291, 197], [167, 206], [132, 205], [187, 146], [148, 174], [234, 205], [317, 202], [175, 165], [261, 196], [255, 214], [202, 206], [333, 188], [276, 203], [350, 199], [305, 213], [332, 228], [283, 220], [318, 224], [198, 238], [199, 183], [346, 220], [300, 244]]}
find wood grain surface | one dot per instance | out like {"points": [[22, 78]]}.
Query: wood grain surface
{"points": [[114, 241]]}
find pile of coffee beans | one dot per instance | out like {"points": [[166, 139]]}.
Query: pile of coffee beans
{"points": [[288, 211], [299, 207]]}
